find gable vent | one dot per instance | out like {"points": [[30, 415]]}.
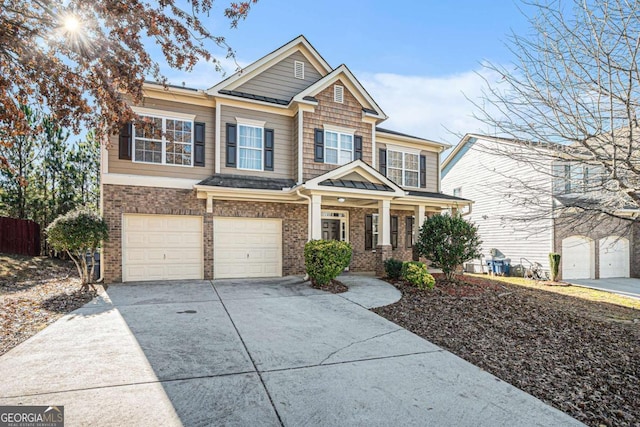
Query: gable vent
{"points": [[338, 94], [298, 70]]}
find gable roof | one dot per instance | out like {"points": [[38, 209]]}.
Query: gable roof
{"points": [[372, 180], [370, 106], [300, 43]]}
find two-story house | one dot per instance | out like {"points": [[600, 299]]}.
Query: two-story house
{"points": [[234, 180], [524, 206]]}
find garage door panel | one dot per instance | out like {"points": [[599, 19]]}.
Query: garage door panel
{"points": [[577, 258], [162, 247], [247, 247], [614, 257]]}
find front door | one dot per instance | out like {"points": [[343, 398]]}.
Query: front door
{"points": [[331, 229]]}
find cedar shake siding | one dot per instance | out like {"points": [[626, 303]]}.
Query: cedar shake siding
{"points": [[283, 135], [204, 115], [347, 114], [279, 81]]}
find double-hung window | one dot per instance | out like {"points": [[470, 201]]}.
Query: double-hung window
{"points": [[250, 147], [403, 168], [163, 140], [338, 147], [374, 230]]}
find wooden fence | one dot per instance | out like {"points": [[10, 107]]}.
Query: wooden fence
{"points": [[19, 236]]}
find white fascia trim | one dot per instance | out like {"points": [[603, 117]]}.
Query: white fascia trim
{"points": [[218, 150], [148, 181], [250, 122], [163, 113], [401, 149], [300, 146], [374, 152], [339, 129]]}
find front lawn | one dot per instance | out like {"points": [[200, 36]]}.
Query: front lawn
{"points": [[35, 292], [580, 356]]}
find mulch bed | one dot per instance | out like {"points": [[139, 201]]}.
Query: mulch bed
{"points": [[28, 305], [580, 356], [335, 287]]}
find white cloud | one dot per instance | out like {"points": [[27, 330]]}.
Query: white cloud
{"points": [[430, 107], [204, 74]]}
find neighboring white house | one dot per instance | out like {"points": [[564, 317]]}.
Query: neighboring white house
{"points": [[481, 169], [518, 193]]}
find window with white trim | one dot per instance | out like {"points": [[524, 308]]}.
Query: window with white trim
{"points": [[250, 147], [403, 168], [298, 70], [374, 230], [338, 147], [338, 94], [457, 192], [163, 140]]}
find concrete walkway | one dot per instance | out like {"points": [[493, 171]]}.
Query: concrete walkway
{"points": [[253, 352], [629, 287]]}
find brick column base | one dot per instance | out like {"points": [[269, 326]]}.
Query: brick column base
{"points": [[383, 253]]}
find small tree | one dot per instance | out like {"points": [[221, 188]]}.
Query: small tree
{"points": [[326, 259], [78, 233], [448, 241], [554, 262]]}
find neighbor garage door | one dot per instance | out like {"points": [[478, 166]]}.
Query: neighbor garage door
{"points": [[247, 247], [577, 258], [614, 257], [161, 247]]}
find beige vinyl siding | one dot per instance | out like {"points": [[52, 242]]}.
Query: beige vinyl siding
{"points": [[283, 146], [487, 178], [432, 166], [203, 114], [279, 82]]}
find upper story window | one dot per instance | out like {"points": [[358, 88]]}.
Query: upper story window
{"points": [[338, 94], [298, 69], [576, 178], [338, 147], [250, 147], [163, 140], [457, 192], [403, 168]]}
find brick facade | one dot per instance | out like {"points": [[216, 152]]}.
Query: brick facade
{"points": [[327, 112], [596, 230]]}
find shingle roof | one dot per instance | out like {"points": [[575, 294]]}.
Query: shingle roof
{"points": [[255, 97], [240, 181], [435, 195], [393, 132], [360, 185]]}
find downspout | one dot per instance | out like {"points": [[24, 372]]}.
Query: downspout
{"points": [[304, 196]]}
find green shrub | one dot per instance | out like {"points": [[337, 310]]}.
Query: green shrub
{"points": [[554, 261], [326, 259], [78, 233], [416, 273], [393, 268]]}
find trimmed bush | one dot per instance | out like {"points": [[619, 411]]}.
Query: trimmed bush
{"points": [[554, 262], [416, 273], [78, 233], [393, 268], [324, 260]]}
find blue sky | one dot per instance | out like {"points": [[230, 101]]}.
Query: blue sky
{"points": [[416, 58]]}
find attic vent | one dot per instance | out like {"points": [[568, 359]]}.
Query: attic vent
{"points": [[338, 94], [298, 70]]}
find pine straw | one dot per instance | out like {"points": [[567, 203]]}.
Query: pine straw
{"points": [[580, 356]]}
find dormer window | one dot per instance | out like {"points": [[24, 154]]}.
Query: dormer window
{"points": [[338, 94], [298, 70]]}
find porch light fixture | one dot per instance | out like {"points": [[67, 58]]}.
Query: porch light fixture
{"points": [[341, 199]]}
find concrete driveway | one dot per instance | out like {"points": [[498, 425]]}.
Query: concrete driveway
{"points": [[266, 352], [629, 287]]}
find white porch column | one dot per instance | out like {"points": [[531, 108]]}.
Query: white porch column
{"points": [[420, 217], [384, 223], [316, 217]]}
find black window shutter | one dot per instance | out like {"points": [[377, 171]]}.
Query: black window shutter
{"points": [[232, 145], [268, 149], [394, 232], [408, 238], [382, 161], [125, 142], [198, 145], [423, 171], [368, 232], [357, 154], [318, 146]]}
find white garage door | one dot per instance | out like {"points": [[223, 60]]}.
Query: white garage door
{"points": [[247, 247], [161, 247], [577, 258], [614, 257]]}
